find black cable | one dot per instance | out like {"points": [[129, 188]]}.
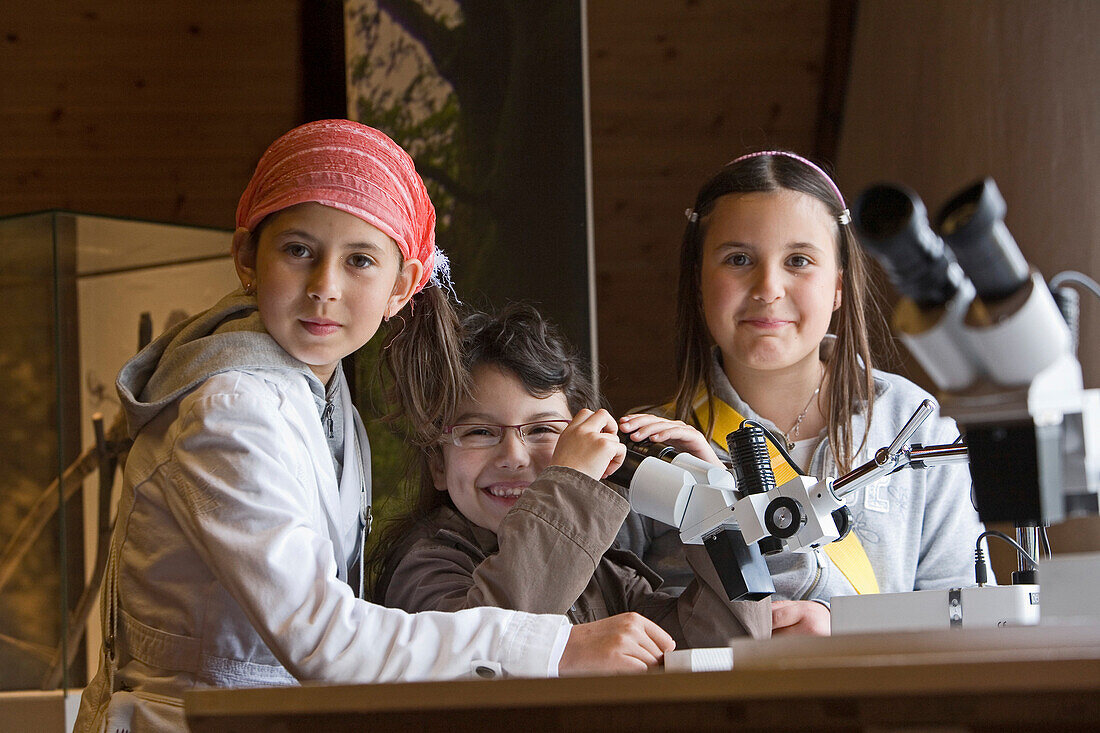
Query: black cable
{"points": [[981, 570], [778, 445]]}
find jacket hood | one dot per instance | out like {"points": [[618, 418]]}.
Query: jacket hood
{"points": [[228, 336]]}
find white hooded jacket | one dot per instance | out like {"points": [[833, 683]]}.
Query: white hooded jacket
{"points": [[231, 551]]}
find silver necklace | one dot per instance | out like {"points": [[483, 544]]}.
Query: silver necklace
{"points": [[792, 432]]}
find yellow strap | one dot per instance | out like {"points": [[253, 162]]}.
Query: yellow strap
{"points": [[848, 554]]}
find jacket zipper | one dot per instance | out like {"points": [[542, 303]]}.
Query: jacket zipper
{"points": [[326, 417], [817, 576]]}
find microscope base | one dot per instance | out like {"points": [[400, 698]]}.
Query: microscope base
{"points": [[988, 606]]}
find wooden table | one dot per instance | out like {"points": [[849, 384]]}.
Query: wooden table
{"points": [[986, 679]]}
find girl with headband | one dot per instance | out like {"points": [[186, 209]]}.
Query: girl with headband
{"points": [[772, 325], [235, 559]]}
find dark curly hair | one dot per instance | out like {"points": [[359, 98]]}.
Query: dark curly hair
{"points": [[518, 339]]}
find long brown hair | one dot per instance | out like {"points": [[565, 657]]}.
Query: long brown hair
{"points": [[421, 354], [848, 371]]}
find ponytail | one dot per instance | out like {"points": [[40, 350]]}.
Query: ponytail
{"points": [[421, 354], [422, 367]]}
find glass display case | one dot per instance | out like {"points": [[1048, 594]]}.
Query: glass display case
{"points": [[76, 289]]}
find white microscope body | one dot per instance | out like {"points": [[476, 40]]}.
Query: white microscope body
{"points": [[739, 514], [701, 498]]}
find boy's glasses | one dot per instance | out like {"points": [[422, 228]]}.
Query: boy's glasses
{"points": [[543, 433]]}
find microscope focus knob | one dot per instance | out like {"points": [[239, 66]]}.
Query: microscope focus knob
{"points": [[784, 517], [843, 519]]}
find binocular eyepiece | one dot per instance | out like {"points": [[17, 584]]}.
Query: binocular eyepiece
{"points": [[892, 224], [928, 267], [972, 224]]}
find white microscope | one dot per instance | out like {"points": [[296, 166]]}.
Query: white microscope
{"points": [[740, 514], [987, 329]]}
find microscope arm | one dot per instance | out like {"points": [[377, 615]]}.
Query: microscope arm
{"points": [[936, 455], [897, 456]]}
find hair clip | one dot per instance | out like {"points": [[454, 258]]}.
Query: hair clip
{"points": [[692, 215], [845, 217]]}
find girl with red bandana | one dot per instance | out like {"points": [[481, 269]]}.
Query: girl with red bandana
{"points": [[246, 495]]}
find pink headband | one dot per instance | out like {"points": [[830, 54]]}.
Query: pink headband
{"points": [[354, 168], [845, 216]]}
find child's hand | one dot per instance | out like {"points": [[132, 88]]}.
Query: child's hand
{"points": [[679, 435], [627, 642], [808, 618], [590, 444]]}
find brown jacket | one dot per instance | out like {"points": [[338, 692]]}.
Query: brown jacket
{"points": [[551, 556]]}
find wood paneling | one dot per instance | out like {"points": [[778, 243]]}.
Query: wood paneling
{"points": [[678, 88], [155, 110], [943, 93]]}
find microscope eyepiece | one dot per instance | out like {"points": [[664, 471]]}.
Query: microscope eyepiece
{"points": [[624, 474], [752, 466], [635, 454], [892, 224], [972, 224], [654, 450]]}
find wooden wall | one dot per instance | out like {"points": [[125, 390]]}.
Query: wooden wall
{"points": [[677, 89], [155, 110], [943, 93]]}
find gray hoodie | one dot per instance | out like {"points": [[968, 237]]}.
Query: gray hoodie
{"points": [[229, 336]]}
